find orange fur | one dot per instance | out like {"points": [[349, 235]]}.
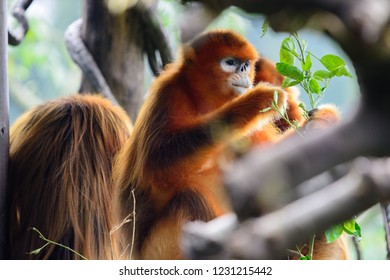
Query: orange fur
{"points": [[61, 157], [172, 161]]}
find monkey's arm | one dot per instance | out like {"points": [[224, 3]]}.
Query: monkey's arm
{"points": [[212, 131], [265, 71]]}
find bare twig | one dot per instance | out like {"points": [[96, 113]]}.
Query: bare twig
{"points": [[48, 242], [130, 218]]}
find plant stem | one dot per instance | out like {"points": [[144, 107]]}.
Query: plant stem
{"points": [[285, 117], [311, 249], [48, 241], [302, 58], [300, 47]]}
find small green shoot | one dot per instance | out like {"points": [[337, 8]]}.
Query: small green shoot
{"points": [[298, 252], [282, 113], [297, 67]]}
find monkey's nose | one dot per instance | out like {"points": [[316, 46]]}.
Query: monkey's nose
{"points": [[244, 67]]}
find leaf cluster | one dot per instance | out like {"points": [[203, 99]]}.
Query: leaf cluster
{"points": [[350, 227], [296, 64]]}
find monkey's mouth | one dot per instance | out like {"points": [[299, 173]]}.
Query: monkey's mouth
{"points": [[240, 88]]}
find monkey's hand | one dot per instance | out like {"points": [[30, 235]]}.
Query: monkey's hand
{"points": [[266, 95], [294, 112], [325, 116], [253, 106]]}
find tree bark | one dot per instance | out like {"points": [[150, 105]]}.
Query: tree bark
{"points": [[4, 124], [116, 43]]}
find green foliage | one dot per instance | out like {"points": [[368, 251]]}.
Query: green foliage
{"points": [[296, 66], [281, 112], [264, 28], [290, 71], [39, 68], [350, 227], [314, 82]]}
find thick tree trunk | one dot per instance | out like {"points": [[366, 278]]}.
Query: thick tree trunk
{"points": [[4, 125], [116, 43]]}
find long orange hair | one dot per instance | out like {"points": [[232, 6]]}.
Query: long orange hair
{"points": [[61, 156]]}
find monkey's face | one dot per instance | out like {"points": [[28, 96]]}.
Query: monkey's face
{"points": [[238, 74], [220, 65]]}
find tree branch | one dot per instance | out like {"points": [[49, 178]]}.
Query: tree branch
{"points": [[269, 236], [156, 40], [195, 18], [386, 217], [83, 58], [265, 180], [15, 37]]}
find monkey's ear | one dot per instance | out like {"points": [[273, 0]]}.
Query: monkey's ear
{"points": [[188, 54], [265, 71]]}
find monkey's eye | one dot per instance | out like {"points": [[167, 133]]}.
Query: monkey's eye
{"points": [[229, 64]]}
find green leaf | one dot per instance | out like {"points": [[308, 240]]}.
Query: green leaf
{"points": [[287, 51], [302, 106], [264, 28], [287, 82], [345, 72], [289, 44], [307, 65], [305, 258], [358, 230], [341, 71], [290, 71], [332, 62], [314, 86], [321, 75], [333, 233], [276, 97], [351, 227], [287, 57]]}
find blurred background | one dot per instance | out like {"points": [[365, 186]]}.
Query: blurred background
{"points": [[40, 69]]}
